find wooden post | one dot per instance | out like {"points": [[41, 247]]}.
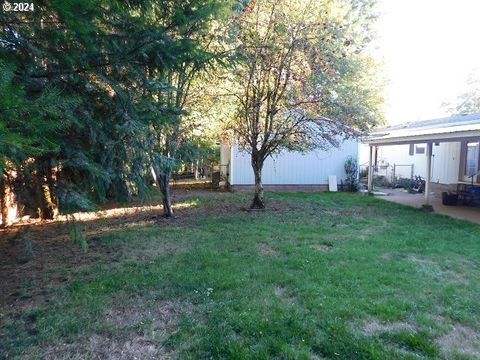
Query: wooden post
{"points": [[394, 177], [427, 205], [370, 171]]}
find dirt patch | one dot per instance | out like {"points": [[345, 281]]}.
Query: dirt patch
{"points": [[375, 326], [36, 256], [386, 256], [419, 260], [426, 266], [162, 315], [357, 212], [281, 293], [462, 340], [270, 205], [322, 247], [32, 259], [158, 319], [266, 249], [370, 231], [100, 347], [435, 269], [339, 225]]}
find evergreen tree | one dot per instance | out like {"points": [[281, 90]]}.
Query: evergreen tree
{"points": [[116, 75]]}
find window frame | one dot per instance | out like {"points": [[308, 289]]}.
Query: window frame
{"points": [[463, 161], [420, 147]]}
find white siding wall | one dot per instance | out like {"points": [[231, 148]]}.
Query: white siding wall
{"points": [[363, 154], [225, 158], [294, 168], [445, 162], [399, 154]]}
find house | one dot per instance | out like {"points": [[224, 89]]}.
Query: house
{"points": [[287, 170], [444, 151]]}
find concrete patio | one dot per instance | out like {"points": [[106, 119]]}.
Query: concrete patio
{"points": [[470, 213]]}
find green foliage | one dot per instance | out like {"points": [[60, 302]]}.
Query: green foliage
{"points": [[306, 80], [164, 164], [76, 234], [203, 153], [469, 101], [98, 92], [351, 169], [405, 183], [29, 124]]}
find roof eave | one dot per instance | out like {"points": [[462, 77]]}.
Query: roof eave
{"points": [[419, 139]]}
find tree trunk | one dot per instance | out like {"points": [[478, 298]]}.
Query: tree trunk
{"points": [[3, 201], [50, 176], [165, 189], [163, 182], [195, 166], [258, 200], [45, 203]]}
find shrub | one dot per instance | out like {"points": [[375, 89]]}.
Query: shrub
{"points": [[351, 169]]}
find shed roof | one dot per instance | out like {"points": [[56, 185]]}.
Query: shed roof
{"points": [[453, 128]]}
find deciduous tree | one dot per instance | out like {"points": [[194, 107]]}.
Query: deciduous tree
{"points": [[303, 82], [469, 101]]}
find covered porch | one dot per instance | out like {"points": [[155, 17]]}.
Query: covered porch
{"points": [[463, 131], [399, 196]]}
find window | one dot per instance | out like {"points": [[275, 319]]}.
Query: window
{"points": [[471, 158], [410, 150], [420, 149]]}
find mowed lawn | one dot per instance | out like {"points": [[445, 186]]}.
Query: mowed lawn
{"points": [[315, 276]]}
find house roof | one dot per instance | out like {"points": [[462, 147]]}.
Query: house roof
{"points": [[453, 128]]}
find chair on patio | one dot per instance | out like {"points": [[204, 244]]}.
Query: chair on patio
{"points": [[468, 193]]}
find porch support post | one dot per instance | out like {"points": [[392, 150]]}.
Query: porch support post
{"points": [[370, 171], [427, 205]]}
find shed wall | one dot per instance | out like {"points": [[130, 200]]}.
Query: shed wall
{"points": [[294, 168]]}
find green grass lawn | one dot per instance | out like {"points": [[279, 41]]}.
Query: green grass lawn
{"points": [[317, 276]]}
